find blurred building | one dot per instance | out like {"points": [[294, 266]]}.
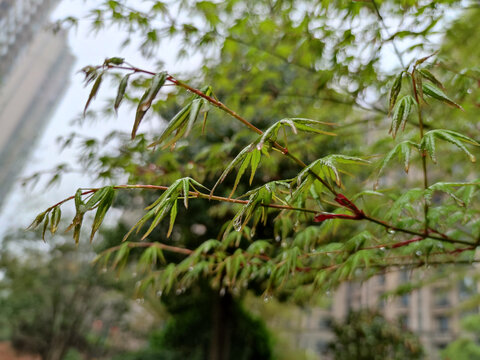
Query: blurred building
{"points": [[19, 20], [432, 312], [34, 70]]}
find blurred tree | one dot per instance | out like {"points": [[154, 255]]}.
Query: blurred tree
{"points": [[466, 347], [190, 331], [54, 301], [367, 335]]}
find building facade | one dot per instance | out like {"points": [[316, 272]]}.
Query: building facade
{"points": [[432, 312], [19, 20], [35, 67]]}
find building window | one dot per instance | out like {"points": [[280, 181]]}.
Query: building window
{"points": [[441, 297], [324, 322], [404, 276], [467, 288], [322, 347], [442, 323], [381, 279], [405, 300]]}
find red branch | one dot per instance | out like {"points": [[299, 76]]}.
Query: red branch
{"points": [[344, 201], [406, 242]]}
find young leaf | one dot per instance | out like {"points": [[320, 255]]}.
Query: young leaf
{"points": [[38, 220], [436, 93], [430, 77], [256, 155], [55, 219], [196, 105], [428, 142], [177, 122], [239, 158], [400, 114], [139, 114], [157, 83], [93, 92], [394, 91], [403, 150], [173, 215], [241, 171], [121, 91], [103, 206], [295, 124]]}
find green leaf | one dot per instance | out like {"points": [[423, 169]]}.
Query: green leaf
{"points": [[256, 156], [103, 206], [428, 142], [79, 204], [185, 186], [45, 226], [121, 91], [77, 228], [139, 114], [38, 220], [238, 159], [174, 124], [295, 124], [96, 198], [394, 91], [196, 105], [241, 171], [122, 255], [173, 215], [93, 92], [436, 93], [114, 61], [157, 83], [55, 219], [400, 114], [403, 150], [448, 188], [328, 167], [430, 77]]}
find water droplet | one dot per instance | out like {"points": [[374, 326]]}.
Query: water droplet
{"points": [[328, 293], [313, 250], [222, 291], [382, 248], [418, 253], [178, 291], [267, 298], [104, 270], [138, 283], [284, 244], [159, 293], [190, 268], [140, 301], [134, 274], [278, 238], [391, 231]]}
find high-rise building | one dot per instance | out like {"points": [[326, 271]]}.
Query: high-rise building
{"points": [[34, 70], [432, 311], [19, 20]]}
